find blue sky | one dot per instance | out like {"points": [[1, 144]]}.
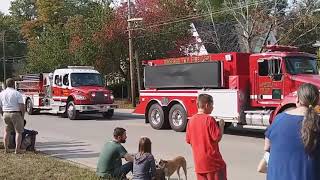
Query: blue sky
{"points": [[4, 6]]}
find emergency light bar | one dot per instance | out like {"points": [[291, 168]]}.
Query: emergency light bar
{"points": [[80, 67], [273, 48]]}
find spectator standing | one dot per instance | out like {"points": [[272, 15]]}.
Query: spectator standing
{"points": [[204, 134], [293, 140], [12, 110]]}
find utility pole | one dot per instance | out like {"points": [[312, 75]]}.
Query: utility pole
{"points": [[136, 57], [4, 58], [133, 89]]}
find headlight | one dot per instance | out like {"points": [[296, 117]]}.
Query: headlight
{"points": [[79, 97], [111, 97], [93, 94]]}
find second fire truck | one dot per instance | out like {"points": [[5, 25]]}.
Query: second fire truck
{"points": [[68, 92]]}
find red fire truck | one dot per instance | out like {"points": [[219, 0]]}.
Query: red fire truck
{"points": [[248, 89], [68, 92]]}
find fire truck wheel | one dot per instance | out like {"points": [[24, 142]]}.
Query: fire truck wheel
{"points": [[227, 124], [178, 118], [29, 107], [71, 111], [108, 114], [156, 117]]}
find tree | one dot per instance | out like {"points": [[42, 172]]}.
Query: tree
{"points": [[14, 46], [302, 26], [23, 10], [63, 34], [153, 38], [255, 19]]}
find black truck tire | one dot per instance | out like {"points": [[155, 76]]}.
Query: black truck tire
{"points": [[156, 116], [108, 114], [178, 118], [29, 107], [71, 111]]}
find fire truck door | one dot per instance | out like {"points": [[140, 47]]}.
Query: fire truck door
{"points": [[269, 87], [57, 87], [65, 85]]}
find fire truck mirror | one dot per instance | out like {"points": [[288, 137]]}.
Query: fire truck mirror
{"points": [[66, 80]]}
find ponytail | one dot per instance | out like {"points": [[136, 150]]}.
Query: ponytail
{"points": [[310, 130], [308, 96]]}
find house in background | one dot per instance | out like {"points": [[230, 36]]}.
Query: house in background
{"points": [[225, 37]]}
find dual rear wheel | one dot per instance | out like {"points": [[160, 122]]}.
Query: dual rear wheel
{"points": [[160, 118]]}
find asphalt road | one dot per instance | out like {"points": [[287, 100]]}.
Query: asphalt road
{"points": [[81, 141]]}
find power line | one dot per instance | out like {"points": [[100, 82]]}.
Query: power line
{"points": [[199, 27], [14, 58], [186, 18]]}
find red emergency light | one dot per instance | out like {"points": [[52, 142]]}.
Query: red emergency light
{"points": [[273, 48]]}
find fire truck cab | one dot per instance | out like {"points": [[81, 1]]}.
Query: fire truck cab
{"points": [[68, 92], [249, 90]]}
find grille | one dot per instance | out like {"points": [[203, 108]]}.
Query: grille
{"points": [[99, 98]]}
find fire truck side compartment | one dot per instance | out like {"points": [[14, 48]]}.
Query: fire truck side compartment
{"points": [[192, 75]]}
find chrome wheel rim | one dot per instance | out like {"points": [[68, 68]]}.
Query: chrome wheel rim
{"points": [[155, 116], [177, 118], [29, 106], [70, 110]]}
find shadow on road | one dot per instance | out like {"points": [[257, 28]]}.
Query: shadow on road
{"points": [[98, 116], [118, 116], [245, 132], [66, 150]]}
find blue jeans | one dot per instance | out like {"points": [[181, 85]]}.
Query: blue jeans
{"points": [[123, 170]]}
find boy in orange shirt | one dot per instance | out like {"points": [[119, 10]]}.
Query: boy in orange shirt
{"points": [[204, 134]]}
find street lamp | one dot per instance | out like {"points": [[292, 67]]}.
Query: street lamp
{"points": [[132, 80], [135, 19]]}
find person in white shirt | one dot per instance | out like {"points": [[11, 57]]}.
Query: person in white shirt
{"points": [[12, 110]]}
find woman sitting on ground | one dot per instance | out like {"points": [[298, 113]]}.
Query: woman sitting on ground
{"points": [[144, 167]]}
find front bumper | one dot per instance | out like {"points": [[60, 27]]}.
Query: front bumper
{"points": [[96, 107]]}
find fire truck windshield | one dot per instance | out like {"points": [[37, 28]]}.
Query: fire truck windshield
{"points": [[301, 65], [86, 79]]}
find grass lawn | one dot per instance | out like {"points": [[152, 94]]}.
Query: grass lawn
{"points": [[39, 166]]}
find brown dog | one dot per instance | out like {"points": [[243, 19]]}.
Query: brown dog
{"points": [[170, 166]]}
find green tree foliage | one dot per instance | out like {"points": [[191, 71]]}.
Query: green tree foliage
{"points": [[63, 33], [14, 46], [23, 10]]}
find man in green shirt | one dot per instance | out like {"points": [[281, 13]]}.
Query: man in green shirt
{"points": [[110, 159]]}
